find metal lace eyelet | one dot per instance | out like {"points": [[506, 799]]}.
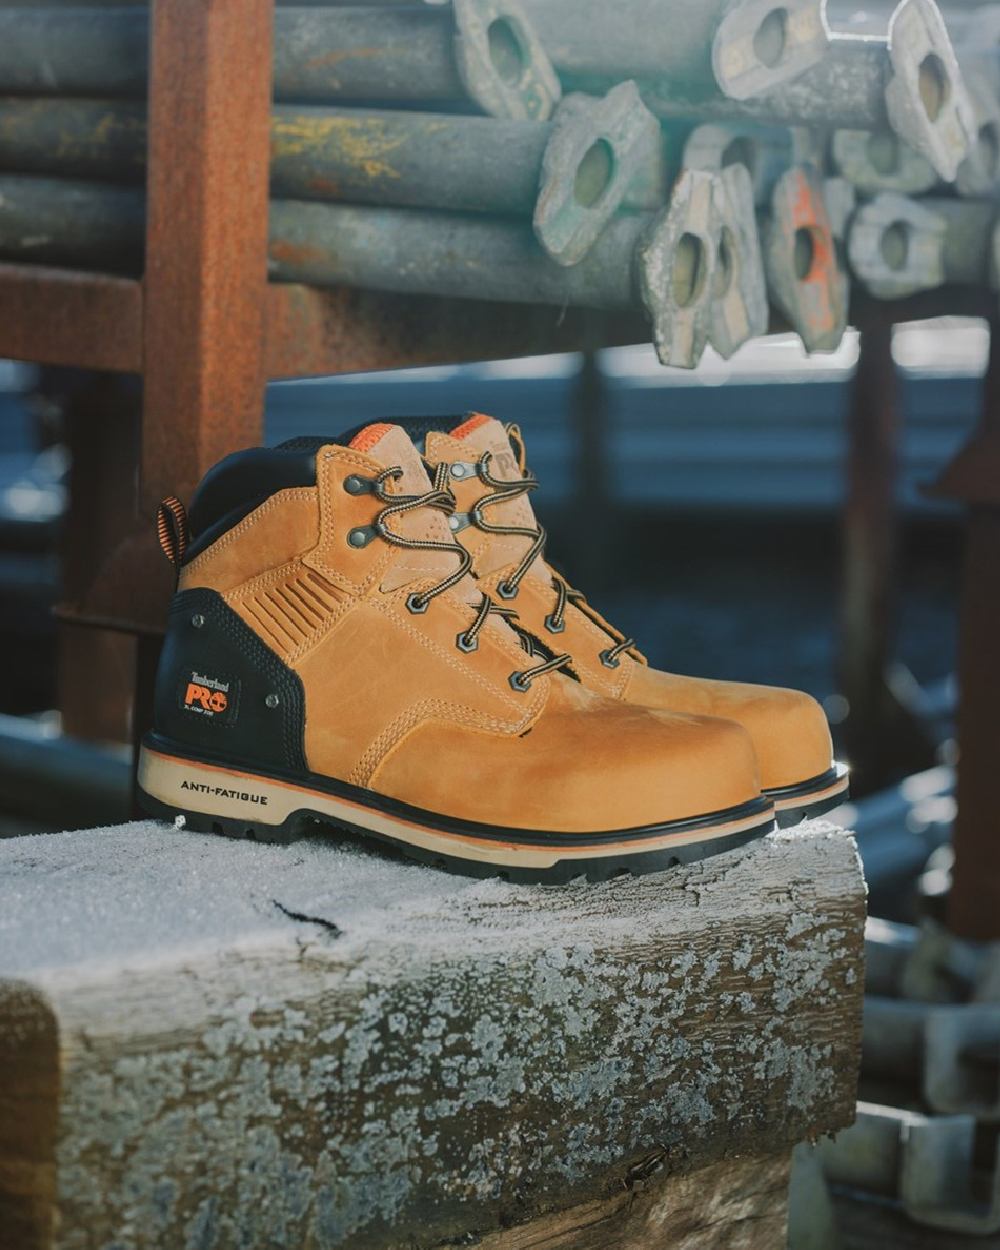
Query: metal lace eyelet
{"points": [[609, 660], [519, 682], [361, 536], [466, 644], [356, 485], [416, 604], [551, 626], [507, 592]]}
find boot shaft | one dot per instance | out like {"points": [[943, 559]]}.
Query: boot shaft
{"points": [[309, 574]]}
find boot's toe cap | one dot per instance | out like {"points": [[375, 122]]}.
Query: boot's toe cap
{"points": [[587, 765], [788, 727]]}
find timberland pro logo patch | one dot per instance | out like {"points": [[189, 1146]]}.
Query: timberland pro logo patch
{"points": [[220, 792], [212, 697]]}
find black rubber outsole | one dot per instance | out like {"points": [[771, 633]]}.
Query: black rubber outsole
{"points": [[304, 823], [789, 816], [809, 808]]}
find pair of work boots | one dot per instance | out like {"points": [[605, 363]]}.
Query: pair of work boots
{"points": [[366, 634]]}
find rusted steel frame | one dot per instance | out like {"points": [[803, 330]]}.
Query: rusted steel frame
{"points": [[974, 479], [206, 238], [869, 563], [59, 317], [312, 332], [101, 416], [91, 321], [483, 49]]}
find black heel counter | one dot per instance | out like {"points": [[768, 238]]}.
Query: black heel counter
{"points": [[220, 690]]}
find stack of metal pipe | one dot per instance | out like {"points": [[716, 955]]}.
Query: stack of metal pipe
{"points": [[711, 164], [912, 231]]}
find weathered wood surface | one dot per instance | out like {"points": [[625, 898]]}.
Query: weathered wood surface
{"points": [[212, 1044], [740, 1204]]}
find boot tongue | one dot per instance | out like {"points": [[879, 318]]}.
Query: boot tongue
{"points": [[392, 448], [465, 444]]}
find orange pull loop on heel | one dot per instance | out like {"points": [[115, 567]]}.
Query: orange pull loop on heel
{"points": [[172, 529]]}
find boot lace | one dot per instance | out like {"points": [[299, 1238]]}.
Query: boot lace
{"points": [[441, 498], [506, 492]]}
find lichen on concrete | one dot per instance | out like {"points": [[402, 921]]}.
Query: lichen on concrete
{"points": [[463, 1055]]}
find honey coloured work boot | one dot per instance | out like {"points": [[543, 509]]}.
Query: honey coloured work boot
{"points": [[329, 658], [495, 522]]}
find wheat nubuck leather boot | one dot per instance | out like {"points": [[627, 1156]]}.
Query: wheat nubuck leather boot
{"points": [[497, 525], [329, 658]]}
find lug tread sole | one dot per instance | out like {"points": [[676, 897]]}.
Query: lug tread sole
{"points": [[624, 856], [307, 824]]}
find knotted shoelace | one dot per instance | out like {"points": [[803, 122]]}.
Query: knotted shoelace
{"points": [[506, 492], [441, 498]]}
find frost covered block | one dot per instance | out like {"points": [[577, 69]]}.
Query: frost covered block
{"points": [[207, 1043]]}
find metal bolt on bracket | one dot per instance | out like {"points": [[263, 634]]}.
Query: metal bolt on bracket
{"points": [[739, 292], [677, 262], [595, 154], [502, 61], [926, 98], [760, 45]]}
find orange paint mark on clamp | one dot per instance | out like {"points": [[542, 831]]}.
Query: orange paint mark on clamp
{"points": [[803, 203]]}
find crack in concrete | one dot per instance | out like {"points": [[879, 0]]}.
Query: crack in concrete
{"points": [[297, 915]]}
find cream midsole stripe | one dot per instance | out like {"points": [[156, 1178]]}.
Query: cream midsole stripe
{"points": [[800, 800], [234, 795]]}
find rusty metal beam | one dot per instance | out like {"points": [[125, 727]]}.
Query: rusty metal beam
{"points": [[312, 332], [974, 903], [60, 317], [882, 736], [206, 238]]}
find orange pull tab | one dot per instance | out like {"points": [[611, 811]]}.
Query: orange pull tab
{"points": [[172, 529], [517, 443]]}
